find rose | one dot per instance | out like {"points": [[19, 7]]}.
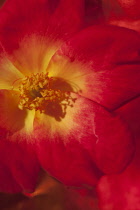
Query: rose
{"points": [[59, 94]]}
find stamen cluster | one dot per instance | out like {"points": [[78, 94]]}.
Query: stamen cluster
{"points": [[36, 93]]}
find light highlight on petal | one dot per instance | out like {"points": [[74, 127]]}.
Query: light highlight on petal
{"points": [[9, 74]]}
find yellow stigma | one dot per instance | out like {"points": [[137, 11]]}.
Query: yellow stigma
{"points": [[39, 90]]}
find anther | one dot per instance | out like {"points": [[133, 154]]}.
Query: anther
{"points": [[36, 92]]}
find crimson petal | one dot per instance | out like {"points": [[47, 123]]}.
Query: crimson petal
{"points": [[59, 144], [92, 138], [109, 62], [18, 160], [123, 191], [19, 167], [20, 19]]}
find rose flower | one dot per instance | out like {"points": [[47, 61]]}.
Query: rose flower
{"points": [[60, 84]]}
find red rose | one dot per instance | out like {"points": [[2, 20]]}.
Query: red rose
{"points": [[60, 89]]}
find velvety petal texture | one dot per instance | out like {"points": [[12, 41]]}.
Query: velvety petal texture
{"points": [[89, 137], [41, 17], [102, 63], [19, 165], [19, 168], [37, 19], [60, 148], [76, 137], [123, 191]]}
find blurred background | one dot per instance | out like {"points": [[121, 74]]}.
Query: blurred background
{"points": [[1, 2], [51, 195]]}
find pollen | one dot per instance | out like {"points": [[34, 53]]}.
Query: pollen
{"points": [[37, 92]]}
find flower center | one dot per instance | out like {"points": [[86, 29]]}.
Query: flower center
{"points": [[40, 91]]}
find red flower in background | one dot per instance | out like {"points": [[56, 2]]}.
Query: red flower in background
{"points": [[60, 86]]}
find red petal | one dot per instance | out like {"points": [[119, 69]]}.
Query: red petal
{"points": [[69, 148], [59, 144], [19, 167], [123, 191], [54, 18], [114, 146], [30, 30], [7, 183], [131, 114], [69, 163], [103, 62]]}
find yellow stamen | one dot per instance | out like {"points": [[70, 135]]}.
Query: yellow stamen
{"points": [[37, 91]]}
